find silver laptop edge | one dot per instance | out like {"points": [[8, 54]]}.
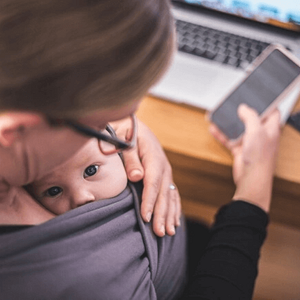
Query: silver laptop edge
{"points": [[203, 83]]}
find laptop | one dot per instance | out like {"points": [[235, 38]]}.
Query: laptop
{"points": [[218, 40]]}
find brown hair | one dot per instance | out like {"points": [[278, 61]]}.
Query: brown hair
{"points": [[64, 58]]}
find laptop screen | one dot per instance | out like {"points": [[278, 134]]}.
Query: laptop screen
{"points": [[280, 13]]}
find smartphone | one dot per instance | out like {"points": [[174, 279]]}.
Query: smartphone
{"points": [[273, 75]]}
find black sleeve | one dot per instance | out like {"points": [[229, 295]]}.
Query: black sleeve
{"points": [[228, 267]]}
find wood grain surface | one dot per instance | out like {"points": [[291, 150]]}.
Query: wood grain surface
{"points": [[202, 166]]}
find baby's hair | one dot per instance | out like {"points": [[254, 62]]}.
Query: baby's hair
{"points": [[66, 58]]}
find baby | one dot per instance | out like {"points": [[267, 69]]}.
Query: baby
{"points": [[88, 176]]}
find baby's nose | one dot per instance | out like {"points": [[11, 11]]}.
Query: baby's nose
{"points": [[82, 197]]}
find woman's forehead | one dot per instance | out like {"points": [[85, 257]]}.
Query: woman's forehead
{"points": [[101, 117]]}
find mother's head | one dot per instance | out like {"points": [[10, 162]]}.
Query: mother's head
{"points": [[66, 58], [89, 60]]}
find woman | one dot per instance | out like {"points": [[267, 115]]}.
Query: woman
{"points": [[87, 63], [228, 266], [59, 60], [84, 63]]}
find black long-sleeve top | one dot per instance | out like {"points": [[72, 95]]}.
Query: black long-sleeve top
{"points": [[229, 266]]}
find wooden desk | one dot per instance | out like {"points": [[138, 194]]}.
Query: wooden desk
{"points": [[202, 166]]}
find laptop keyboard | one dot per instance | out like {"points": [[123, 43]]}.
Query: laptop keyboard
{"points": [[216, 45]]}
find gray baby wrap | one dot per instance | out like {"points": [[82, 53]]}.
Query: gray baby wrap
{"points": [[101, 250]]}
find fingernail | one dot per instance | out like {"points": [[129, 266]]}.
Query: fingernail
{"points": [[148, 217], [243, 105], [162, 229], [135, 173], [172, 230]]}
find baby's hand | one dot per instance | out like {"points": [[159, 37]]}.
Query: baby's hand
{"points": [[148, 161]]}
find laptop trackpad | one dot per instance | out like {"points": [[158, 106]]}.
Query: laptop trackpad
{"points": [[197, 82]]}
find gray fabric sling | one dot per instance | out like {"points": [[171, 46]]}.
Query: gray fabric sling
{"points": [[101, 250]]}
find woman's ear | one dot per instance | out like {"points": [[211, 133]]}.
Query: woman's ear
{"points": [[13, 123]]}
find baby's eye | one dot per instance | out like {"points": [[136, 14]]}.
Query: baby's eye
{"points": [[53, 191], [90, 171]]}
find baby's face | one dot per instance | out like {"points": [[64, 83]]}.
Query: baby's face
{"points": [[88, 176]]}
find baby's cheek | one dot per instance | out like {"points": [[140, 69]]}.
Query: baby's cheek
{"points": [[55, 206], [121, 181], [115, 178]]}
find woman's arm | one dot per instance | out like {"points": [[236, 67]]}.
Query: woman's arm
{"points": [[228, 267], [255, 157]]}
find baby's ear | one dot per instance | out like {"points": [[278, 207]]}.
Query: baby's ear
{"points": [[13, 123]]}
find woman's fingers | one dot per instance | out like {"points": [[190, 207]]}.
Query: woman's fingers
{"points": [[132, 162], [161, 201], [250, 118], [174, 212], [272, 123], [152, 187], [219, 136], [251, 121], [247, 114], [167, 210], [148, 161], [160, 215], [133, 165]]}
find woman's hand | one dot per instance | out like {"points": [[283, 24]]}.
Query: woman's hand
{"points": [[148, 161], [254, 157]]}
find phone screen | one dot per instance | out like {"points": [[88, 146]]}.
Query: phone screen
{"points": [[258, 91]]}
